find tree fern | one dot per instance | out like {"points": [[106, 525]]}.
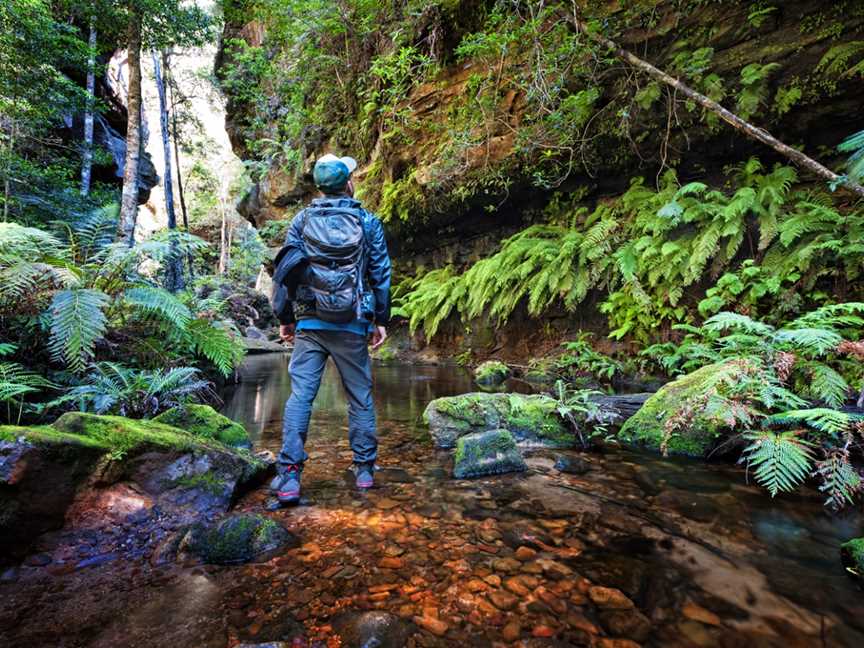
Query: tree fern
{"points": [[216, 343], [77, 323], [781, 460], [160, 303]]}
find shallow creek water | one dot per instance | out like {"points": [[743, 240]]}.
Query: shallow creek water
{"points": [[638, 551]]}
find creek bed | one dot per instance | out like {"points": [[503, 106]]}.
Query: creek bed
{"points": [[658, 552]]}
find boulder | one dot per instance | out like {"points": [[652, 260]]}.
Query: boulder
{"points": [[685, 401], [491, 373], [572, 465], [84, 464], [533, 420], [487, 453], [234, 539], [255, 346], [205, 422]]}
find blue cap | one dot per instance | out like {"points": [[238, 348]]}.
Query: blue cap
{"points": [[331, 173]]}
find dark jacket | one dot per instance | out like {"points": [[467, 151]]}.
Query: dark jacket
{"points": [[291, 265]]}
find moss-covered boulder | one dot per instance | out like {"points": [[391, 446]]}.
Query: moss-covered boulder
{"points": [[682, 417], [491, 373], [533, 420], [205, 422], [487, 453], [45, 470], [852, 556], [234, 539]]}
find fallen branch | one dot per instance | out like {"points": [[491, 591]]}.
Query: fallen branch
{"points": [[728, 116]]}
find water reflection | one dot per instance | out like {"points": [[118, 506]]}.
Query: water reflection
{"points": [[401, 393]]}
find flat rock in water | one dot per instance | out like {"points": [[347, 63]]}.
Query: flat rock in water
{"points": [[572, 465], [487, 453], [234, 539]]}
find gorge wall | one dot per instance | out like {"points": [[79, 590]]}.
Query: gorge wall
{"points": [[472, 120]]}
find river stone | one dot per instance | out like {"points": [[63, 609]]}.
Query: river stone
{"points": [[234, 539], [207, 423], [533, 420], [487, 453], [572, 465], [491, 373], [371, 630], [701, 430]]}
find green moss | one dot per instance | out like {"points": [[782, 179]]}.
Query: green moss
{"points": [[537, 416], [690, 392], [205, 422], [43, 435], [235, 539], [491, 372], [121, 435], [487, 453], [205, 481]]}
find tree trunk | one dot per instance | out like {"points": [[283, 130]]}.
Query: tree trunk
{"points": [[129, 200], [87, 158], [728, 116], [224, 241], [176, 137], [174, 269]]}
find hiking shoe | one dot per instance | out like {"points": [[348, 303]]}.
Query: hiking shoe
{"points": [[365, 473], [286, 485]]}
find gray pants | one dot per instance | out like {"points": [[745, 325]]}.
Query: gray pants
{"points": [[351, 356]]}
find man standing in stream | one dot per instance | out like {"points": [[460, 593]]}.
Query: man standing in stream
{"points": [[332, 293]]}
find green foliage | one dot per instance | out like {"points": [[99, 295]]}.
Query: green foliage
{"points": [[754, 87], [77, 322], [781, 460], [111, 388], [580, 409], [839, 60], [16, 381]]}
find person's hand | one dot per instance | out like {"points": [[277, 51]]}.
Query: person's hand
{"points": [[379, 334], [286, 332]]}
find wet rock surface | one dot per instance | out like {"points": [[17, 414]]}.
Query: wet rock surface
{"points": [[487, 453], [232, 540], [541, 558]]}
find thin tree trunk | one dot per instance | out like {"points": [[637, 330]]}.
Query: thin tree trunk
{"points": [[729, 117], [129, 200], [174, 279], [176, 137], [7, 179], [224, 241], [87, 161]]}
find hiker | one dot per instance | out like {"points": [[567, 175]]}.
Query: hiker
{"points": [[332, 283]]}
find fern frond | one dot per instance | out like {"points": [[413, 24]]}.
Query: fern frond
{"points": [[160, 303], [77, 323], [216, 343], [815, 341], [781, 459], [822, 419], [840, 480], [735, 321]]}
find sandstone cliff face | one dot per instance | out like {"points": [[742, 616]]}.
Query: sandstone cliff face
{"points": [[801, 104]]}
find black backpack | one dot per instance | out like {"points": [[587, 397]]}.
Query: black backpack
{"points": [[335, 248]]}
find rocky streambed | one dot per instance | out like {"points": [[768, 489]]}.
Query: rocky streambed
{"points": [[617, 550]]}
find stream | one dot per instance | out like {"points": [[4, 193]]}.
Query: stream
{"points": [[637, 551]]}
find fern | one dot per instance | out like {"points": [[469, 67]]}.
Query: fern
{"points": [[216, 343], [114, 388], [781, 460], [836, 61], [160, 303], [840, 481], [77, 323], [821, 419]]}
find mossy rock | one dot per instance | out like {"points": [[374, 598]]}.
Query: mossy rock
{"points": [[700, 433], [487, 453], [235, 539], [491, 373], [205, 422], [852, 556], [532, 419]]}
